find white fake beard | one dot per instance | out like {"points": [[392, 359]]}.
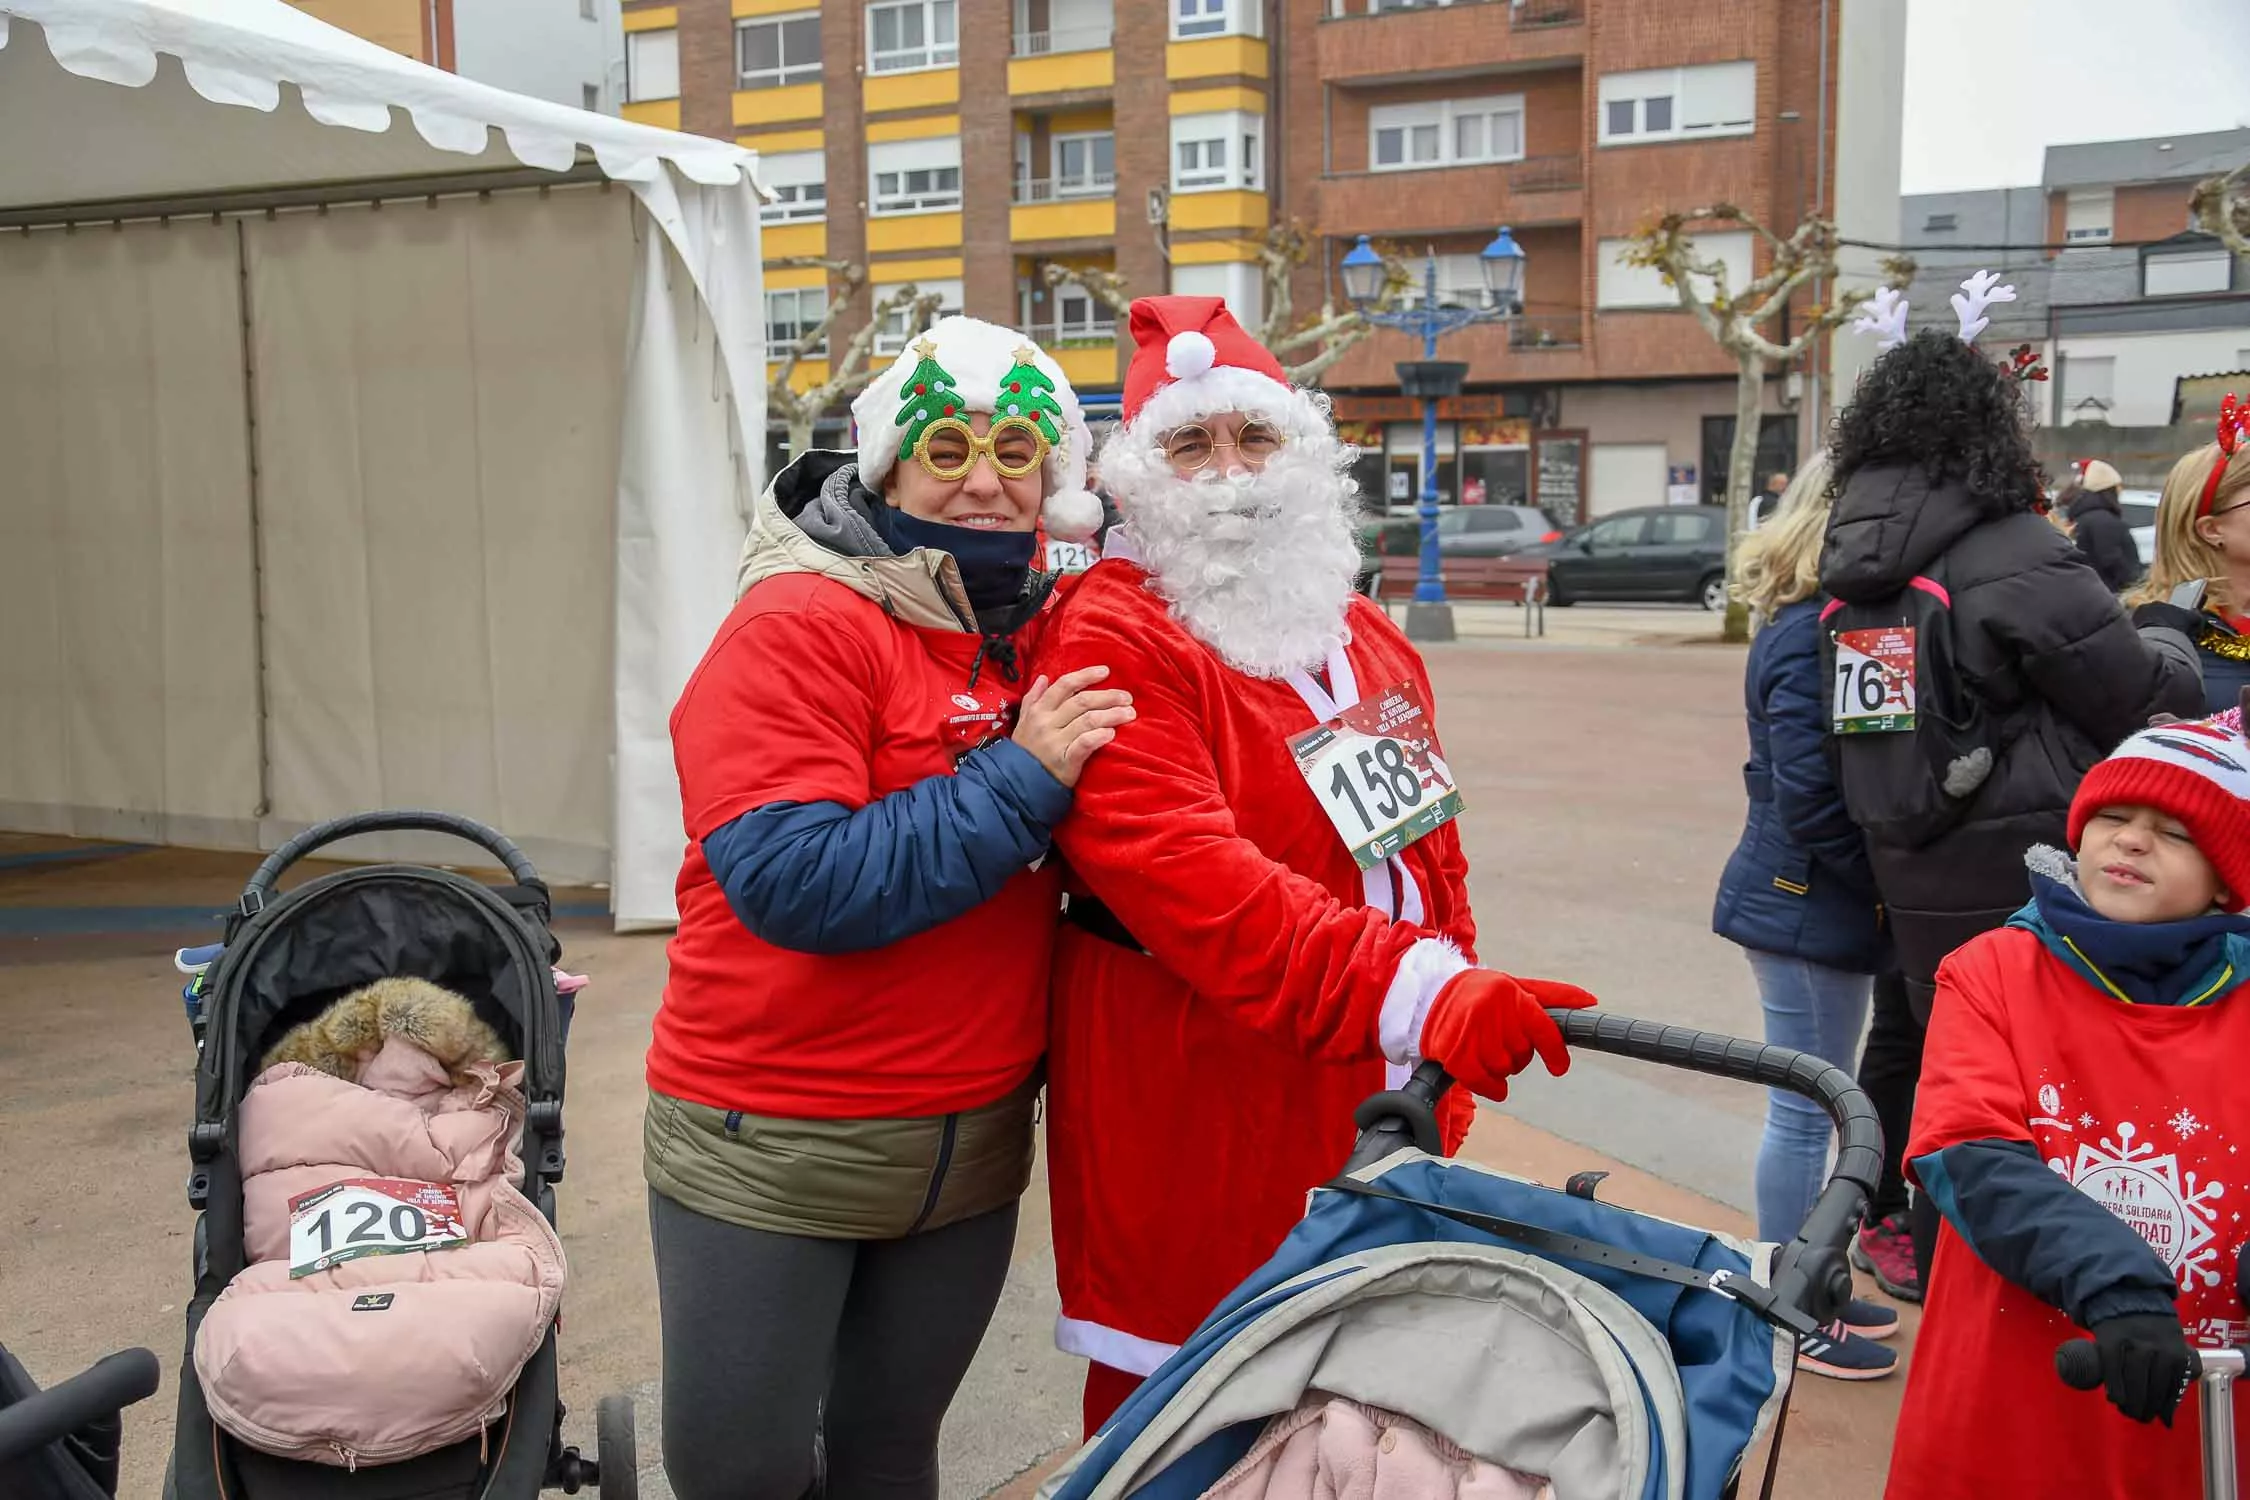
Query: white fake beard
{"points": [[1259, 567]]}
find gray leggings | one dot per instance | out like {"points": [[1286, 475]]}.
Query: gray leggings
{"points": [[770, 1339]]}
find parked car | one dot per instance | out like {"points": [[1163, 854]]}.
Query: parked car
{"points": [[1663, 552], [2140, 514], [1463, 531]]}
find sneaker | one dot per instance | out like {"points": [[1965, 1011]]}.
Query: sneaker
{"points": [[1885, 1251], [1870, 1320], [1840, 1354]]}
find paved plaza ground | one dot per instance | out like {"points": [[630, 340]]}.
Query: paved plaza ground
{"points": [[1601, 770]]}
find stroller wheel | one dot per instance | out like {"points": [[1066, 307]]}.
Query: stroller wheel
{"points": [[615, 1449]]}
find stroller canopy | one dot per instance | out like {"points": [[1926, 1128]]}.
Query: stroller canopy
{"points": [[1614, 1385]]}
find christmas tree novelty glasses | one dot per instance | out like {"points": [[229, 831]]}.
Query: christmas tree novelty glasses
{"points": [[1192, 448], [948, 448]]}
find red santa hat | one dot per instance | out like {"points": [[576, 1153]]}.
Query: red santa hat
{"points": [[1191, 359], [2197, 771]]}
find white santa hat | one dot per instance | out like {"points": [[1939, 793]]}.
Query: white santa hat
{"points": [[1191, 360], [965, 365]]}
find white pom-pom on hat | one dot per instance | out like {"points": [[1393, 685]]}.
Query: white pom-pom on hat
{"points": [[1189, 354], [1072, 515]]}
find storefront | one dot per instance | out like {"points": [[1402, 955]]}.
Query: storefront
{"points": [[1487, 454]]}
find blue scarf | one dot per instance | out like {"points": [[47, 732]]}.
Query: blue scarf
{"points": [[993, 564], [2195, 962]]}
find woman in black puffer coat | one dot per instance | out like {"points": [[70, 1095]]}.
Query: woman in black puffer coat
{"points": [[1933, 473], [1933, 470]]}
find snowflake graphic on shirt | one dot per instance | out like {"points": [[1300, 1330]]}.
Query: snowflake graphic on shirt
{"points": [[2184, 1125], [2167, 1207]]}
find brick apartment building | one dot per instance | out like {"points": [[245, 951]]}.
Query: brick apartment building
{"points": [[964, 145]]}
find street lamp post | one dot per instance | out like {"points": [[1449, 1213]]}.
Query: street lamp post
{"points": [[1429, 617]]}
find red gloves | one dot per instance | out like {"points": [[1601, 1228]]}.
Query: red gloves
{"points": [[1485, 1027]]}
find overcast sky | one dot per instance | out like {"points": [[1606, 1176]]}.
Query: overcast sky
{"points": [[1990, 84]]}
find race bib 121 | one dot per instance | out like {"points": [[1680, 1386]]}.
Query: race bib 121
{"points": [[1873, 690], [1377, 773], [370, 1216]]}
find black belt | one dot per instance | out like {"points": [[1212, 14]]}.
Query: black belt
{"points": [[1090, 915]]}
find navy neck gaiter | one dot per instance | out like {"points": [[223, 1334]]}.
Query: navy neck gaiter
{"points": [[993, 564]]}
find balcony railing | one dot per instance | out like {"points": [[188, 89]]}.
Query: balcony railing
{"points": [[1075, 335], [1547, 174], [1062, 39], [1524, 15], [1064, 189], [1544, 332]]}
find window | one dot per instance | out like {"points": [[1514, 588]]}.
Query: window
{"points": [[1242, 285], [1460, 281], [1445, 132], [586, 10], [1618, 531], [1218, 151], [1670, 104], [791, 314], [590, 96], [1687, 528], [899, 326], [908, 34], [799, 183], [1080, 315], [915, 176], [2180, 275], [1619, 285], [1194, 18], [652, 65], [2089, 387], [774, 54], [1940, 223], [1085, 164], [2087, 216]]}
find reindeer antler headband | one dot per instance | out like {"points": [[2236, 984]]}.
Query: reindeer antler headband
{"points": [[2234, 428], [1885, 318]]}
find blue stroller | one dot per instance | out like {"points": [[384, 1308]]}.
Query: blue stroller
{"points": [[1614, 1355]]}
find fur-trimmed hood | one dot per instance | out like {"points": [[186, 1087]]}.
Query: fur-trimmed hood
{"points": [[345, 1037]]}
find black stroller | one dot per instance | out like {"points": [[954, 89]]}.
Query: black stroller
{"points": [[286, 956], [61, 1443]]}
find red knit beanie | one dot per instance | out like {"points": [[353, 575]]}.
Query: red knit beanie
{"points": [[2196, 770]]}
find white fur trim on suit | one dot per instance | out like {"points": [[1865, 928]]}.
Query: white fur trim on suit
{"points": [[1425, 970], [1111, 1346], [1228, 388]]}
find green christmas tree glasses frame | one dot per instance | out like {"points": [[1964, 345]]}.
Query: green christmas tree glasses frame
{"points": [[948, 448]]}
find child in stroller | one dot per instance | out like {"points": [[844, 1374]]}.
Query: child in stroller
{"points": [[429, 943]]}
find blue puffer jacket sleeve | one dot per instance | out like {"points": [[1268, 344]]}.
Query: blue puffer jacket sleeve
{"points": [[817, 877], [1805, 795], [2042, 1234]]}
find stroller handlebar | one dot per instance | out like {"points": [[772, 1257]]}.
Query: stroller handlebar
{"points": [[1811, 1272], [492, 840], [114, 1382]]}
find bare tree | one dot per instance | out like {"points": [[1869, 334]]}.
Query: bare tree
{"points": [[2221, 206], [1733, 319], [849, 372], [1328, 334]]}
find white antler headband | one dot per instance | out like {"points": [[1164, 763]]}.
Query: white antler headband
{"points": [[1982, 289], [1885, 318]]}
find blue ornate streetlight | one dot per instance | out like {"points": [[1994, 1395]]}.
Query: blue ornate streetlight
{"points": [[1430, 617]]}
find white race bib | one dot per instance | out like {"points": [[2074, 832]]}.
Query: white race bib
{"points": [[1070, 557], [1376, 771], [370, 1216], [1873, 689]]}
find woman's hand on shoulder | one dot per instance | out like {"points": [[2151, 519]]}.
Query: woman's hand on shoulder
{"points": [[1064, 721]]}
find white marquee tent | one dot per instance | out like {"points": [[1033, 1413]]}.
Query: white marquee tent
{"points": [[368, 437]]}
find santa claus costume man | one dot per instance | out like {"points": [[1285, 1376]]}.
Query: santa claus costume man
{"points": [[1264, 912]]}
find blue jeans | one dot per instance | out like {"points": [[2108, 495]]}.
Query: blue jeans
{"points": [[1814, 1009]]}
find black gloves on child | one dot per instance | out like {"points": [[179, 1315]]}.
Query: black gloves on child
{"points": [[2146, 1364]]}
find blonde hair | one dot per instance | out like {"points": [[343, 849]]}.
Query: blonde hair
{"points": [[2181, 555], [1780, 561]]}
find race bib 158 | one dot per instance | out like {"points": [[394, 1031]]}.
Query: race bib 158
{"points": [[370, 1216], [1873, 690], [1377, 773]]}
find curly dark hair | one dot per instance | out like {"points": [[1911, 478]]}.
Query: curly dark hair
{"points": [[1934, 402]]}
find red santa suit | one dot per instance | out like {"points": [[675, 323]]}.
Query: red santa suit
{"points": [[1238, 983]]}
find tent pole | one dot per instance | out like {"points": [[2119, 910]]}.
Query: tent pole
{"points": [[257, 519]]}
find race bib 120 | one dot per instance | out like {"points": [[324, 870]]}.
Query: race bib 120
{"points": [[1873, 690], [1377, 773], [370, 1216]]}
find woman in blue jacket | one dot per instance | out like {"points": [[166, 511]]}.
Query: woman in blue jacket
{"points": [[1797, 893]]}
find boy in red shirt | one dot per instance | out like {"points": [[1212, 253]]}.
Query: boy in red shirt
{"points": [[2080, 1125]]}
